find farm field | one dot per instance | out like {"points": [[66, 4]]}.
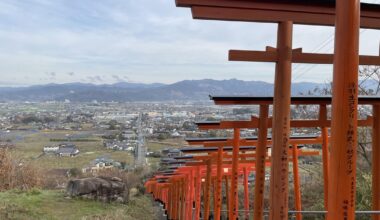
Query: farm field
{"points": [[30, 146]]}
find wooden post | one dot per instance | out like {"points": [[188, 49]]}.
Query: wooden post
{"points": [[227, 195], [219, 175], [207, 191], [325, 153], [173, 200], [191, 195], [376, 161], [281, 126], [178, 207], [235, 176], [198, 193], [214, 190], [176, 200], [261, 153], [179, 200], [297, 190], [184, 193], [342, 176], [170, 205], [246, 193]]}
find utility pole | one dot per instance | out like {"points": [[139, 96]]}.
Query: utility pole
{"points": [[140, 149]]}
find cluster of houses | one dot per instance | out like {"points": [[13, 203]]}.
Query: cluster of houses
{"points": [[124, 145], [171, 152], [62, 150], [124, 141], [103, 163]]}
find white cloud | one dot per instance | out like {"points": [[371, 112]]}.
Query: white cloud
{"points": [[146, 40]]}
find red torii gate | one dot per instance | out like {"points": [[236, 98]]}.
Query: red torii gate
{"points": [[323, 122], [260, 168], [216, 159], [177, 185], [348, 18], [173, 208], [218, 143]]}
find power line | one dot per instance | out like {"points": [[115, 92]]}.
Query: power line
{"points": [[318, 49], [312, 66]]}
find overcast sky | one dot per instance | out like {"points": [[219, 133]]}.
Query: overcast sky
{"points": [[107, 41]]}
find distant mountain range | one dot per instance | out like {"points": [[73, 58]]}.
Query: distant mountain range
{"points": [[124, 91]]}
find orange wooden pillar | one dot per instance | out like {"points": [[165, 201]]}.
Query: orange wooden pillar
{"points": [[261, 151], [297, 190], [233, 214], [189, 198], [184, 197], [207, 191], [173, 215], [178, 200], [214, 183], [191, 203], [342, 179], [281, 126], [183, 194], [376, 161], [219, 176], [171, 200], [246, 193], [325, 153], [227, 194], [192, 191], [198, 193]]}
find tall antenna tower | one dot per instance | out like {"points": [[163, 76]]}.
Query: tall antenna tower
{"points": [[140, 150]]}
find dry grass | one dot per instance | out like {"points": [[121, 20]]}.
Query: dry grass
{"points": [[52, 205], [16, 173]]}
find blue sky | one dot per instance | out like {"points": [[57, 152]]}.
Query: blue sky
{"points": [[107, 41]]}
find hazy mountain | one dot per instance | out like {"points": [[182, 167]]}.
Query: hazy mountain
{"points": [[123, 91], [134, 85]]}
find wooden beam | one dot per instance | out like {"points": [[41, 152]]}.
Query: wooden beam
{"points": [[258, 15], [317, 140], [298, 57], [252, 56], [276, 11], [313, 123]]}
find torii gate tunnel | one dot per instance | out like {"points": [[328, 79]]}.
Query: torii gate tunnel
{"points": [[179, 188]]}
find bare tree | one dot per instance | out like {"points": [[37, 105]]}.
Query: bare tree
{"points": [[369, 80], [369, 84]]}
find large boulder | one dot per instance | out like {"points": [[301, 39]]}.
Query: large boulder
{"points": [[79, 187], [102, 188]]}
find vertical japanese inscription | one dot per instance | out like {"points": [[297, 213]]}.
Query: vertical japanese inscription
{"points": [[351, 137]]}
